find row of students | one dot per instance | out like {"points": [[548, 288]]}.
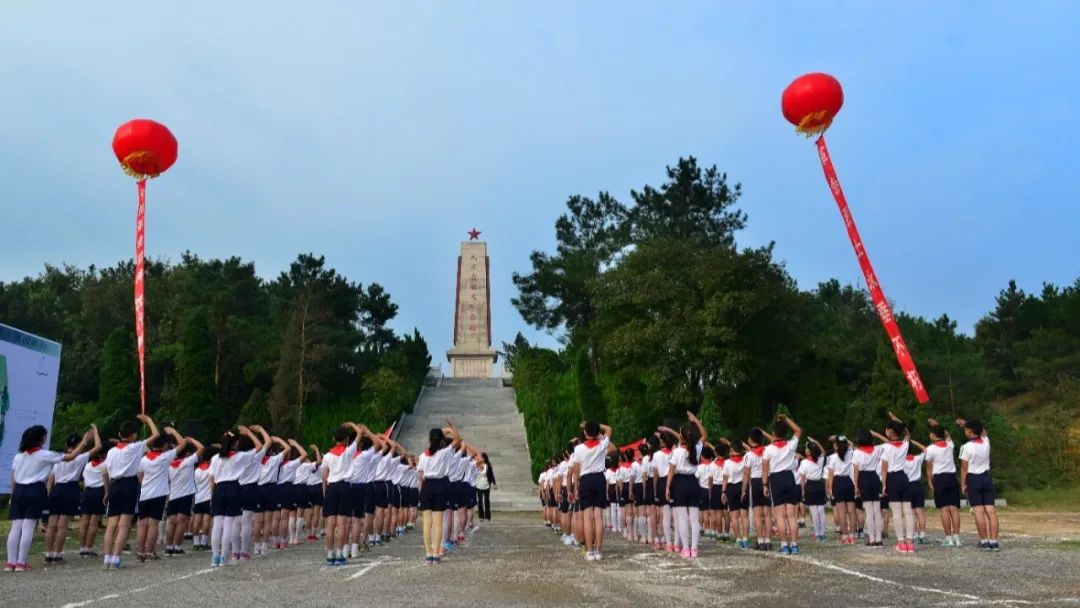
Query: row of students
{"points": [[766, 481], [237, 497], [447, 473]]}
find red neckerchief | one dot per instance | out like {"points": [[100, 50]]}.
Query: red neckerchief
{"points": [[153, 454], [337, 450], [736, 459], [897, 444], [592, 443], [121, 445], [941, 444], [176, 462], [265, 458], [910, 457], [96, 461], [230, 453], [204, 465], [625, 465], [706, 461], [780, 443], [977, 440], [758, 451], [719, 462], [33, 449], [666, 450], [866, 449]]}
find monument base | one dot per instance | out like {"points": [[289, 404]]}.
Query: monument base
{"points": [[471, 363]]}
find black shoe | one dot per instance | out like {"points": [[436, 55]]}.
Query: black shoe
{"points": [[48, 559]]}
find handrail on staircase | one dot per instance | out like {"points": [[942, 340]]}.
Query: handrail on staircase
{"points": [[401, 419]]}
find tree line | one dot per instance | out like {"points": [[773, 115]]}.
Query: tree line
{"points": [[660, 311], [296, 354]]}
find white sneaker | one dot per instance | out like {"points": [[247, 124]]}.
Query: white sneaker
{"points": [[590, 556], [567, 540], [597, 556]]}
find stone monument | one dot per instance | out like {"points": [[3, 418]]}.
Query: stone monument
{"points": [[472, 355]]}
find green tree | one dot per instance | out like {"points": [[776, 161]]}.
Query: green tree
{"points": [[195, 399], [589, 394], [119, 387]]}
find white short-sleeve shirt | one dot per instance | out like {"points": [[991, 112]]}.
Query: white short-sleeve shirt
{"points": [[940, 454], [977, 454]]}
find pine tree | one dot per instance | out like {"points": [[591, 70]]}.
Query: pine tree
{"points": [[118, 389], [588, 392]]}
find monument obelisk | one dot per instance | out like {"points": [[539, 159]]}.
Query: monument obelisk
{"points": [[472, 355]]}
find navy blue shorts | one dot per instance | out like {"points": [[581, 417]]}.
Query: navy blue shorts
{"points": [[226, 500], [736, 501], [181, 505], [980, 490], [639, 493], [92, 501], [288, 496], [685, 491], [757, 494], [394, 495], [897, 487], [249, 496], [315, 495], [369, 498], [782, 488], [591, 491], [64, 499], [564, 501], [650, 492], [356, 500], [382, 494], [716, 498], [123, 496], [28, 501], [624, 496], [269, 497], [869, 486], [946, 490], [433, 494], [201, 508], [815, 493], [337, 495], [918, 495], [703, 498], [152, 508], [843, 489]]}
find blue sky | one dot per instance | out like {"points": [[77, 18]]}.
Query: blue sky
{"points": [[377, 134]]}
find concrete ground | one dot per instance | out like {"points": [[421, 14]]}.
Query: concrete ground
{"points": [[514, 561]]}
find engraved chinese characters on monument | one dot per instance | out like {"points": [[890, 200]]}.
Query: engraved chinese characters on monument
{"points": [[472, 355]]}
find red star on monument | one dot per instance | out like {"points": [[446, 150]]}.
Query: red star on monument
{"points": [[474, 234]]}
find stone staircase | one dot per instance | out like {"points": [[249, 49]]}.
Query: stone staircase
{"points": [[487, 415]]}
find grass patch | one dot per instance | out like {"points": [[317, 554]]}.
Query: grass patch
{"points": [[1068, 545], [1066, 500]]}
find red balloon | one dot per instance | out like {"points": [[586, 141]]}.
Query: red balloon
{"points": [[145, 148], [811, 102]]}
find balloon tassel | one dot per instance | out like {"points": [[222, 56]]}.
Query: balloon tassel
{"points": [[877, 295]]}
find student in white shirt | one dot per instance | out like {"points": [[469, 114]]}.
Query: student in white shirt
{"points": [[182, 491], [704, 479], [732, 495], [588, 486], [289, 519], [226, 503], [866, 461], [336, 471], [812, 479], [977, 484], [154, 490], [682, 486], [122, 469], [661, 460], [840, 486], [778, 466], [30, 470], [433, 468], [944, 487], [249, 491], [753, 488], [64, 496], [913, 464], [894, 451], [265, 523], [92, 503]]}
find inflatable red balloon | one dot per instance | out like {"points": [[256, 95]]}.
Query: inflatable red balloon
{"points": [[145, 149], [811, 102]]}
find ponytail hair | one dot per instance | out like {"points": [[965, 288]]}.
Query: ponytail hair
{"points": [[842, 446], [436, 438], [691, 437]]}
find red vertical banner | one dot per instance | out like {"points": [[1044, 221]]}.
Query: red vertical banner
{"points": [[877, 296], [140, 269]]}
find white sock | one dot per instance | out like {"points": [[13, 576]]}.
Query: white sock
{"points": [[216, 534], [247, 522], [665, 522], [909, 520], [695, 527]]}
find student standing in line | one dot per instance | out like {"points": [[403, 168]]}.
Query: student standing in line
{"points": [[30, 470], [976, 482], [64, 497], [289, 525], [201, 520], [92, 503], [840, 485], [734, 498], [721, 516], [894, 451], [944, 487], [624, 481], [434, 470], [122, 468], [913, 465], [335, 472], [753, 488], [249, 492], [359, 480], [866, 462], [588, 485], [226, 504], [154, 490], [661, 462], [313, 492], [779, 464], [265, 523], [182, 492], [704, 479], [682, 486], [811, 477]]}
